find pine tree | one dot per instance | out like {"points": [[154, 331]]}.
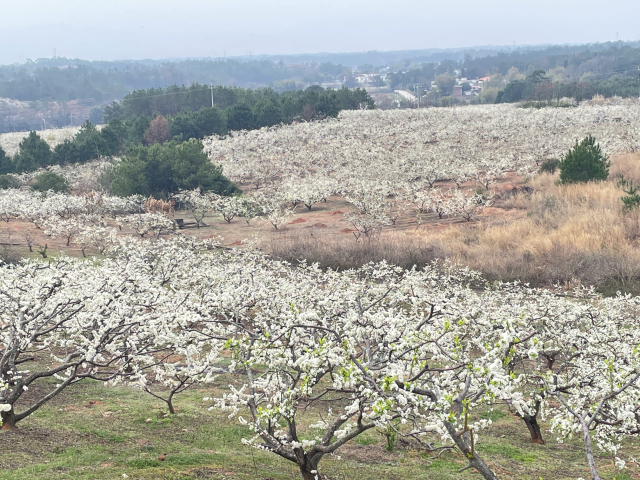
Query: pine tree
{"points": [[584, 162]]}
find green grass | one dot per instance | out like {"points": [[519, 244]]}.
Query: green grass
{"points": [[508, 451], [97, 432], [493, 415]]}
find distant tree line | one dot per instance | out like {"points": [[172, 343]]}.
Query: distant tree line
{"points": [[140, 120], [573, 64], [242, 108], [537, 87], [62, 79]]}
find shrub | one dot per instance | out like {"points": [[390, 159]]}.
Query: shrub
{"points": [[50, 181], [449, 101], [158, 131], [7, 181], [584, 162], [550, 165], [8, 256], [632, 199]]}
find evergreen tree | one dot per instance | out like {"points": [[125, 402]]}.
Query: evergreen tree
{"points": [[160, 170], [50, 181], [240, 117], [584, 162], [34, 153], [6, 164]]}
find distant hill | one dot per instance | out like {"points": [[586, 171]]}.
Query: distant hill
{"points": [[67, 91]]}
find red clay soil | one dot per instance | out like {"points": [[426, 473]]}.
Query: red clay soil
{"points": [[328, 216]]}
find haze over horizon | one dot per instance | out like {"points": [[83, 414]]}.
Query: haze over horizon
{"points": [[150, 29]]}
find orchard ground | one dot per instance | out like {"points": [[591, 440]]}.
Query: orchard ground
{"points": [[95, 432], [325, 220]]}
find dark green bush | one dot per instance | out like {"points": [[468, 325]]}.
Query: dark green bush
{"points": [[8, 256], [585, 162], [7, 181], [160, 170], [550, 165], [88, 144], [6, 164], [50, 181]]}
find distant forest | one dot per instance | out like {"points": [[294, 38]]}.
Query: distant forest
{"points": [[57, 92], [567, 64]]}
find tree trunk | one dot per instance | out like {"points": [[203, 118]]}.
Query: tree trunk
{"points": [[586, 437], [534, 428], [463, 442], [307, 473], [8, 420], [308, 466]]}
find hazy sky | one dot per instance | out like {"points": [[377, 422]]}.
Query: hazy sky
{"points": [[137, 29]]}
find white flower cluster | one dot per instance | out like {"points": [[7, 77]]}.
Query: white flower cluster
{"points": [[39, 207]]}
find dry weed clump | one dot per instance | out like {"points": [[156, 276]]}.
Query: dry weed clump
{"points": [[627, 165], [341, 252], [570, 234]]}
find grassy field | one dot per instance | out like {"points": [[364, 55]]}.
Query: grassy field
{"points": [[96, 432]]}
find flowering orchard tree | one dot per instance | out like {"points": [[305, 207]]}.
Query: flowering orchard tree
{"points": [[100, 238], [89, 321], [67, 228], [198, 204], [571, 358], [301, 357], [594, 374], [148, 224], [134, 316], [344, 343]]}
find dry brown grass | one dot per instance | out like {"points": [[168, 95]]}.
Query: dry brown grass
{"points": [[570, 234], [340, 252], [627, 165]]}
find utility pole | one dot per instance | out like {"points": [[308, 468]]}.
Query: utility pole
{"points": [[416, 88], [211, 85], [45, 123]]}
